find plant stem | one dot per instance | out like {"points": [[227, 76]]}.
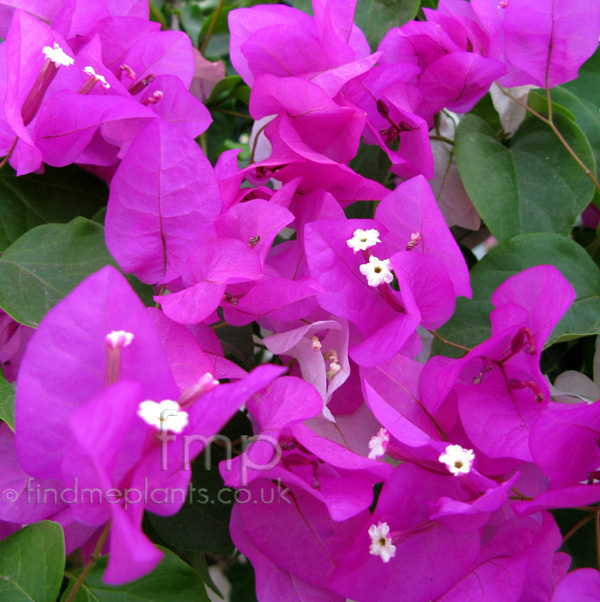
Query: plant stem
{"points": [[10, 152], [577, 526], [446, 342], [154, 12], [549, 101], [262, 129], [211, 27], [161, 292], [90, 565], [442, 139], [234, 113]]}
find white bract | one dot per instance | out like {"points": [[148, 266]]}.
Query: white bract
{"points": [[99, 78], [363, 239], [378, 444], [166, 415], [57, 55], [377, 271], [458, 459], [381, 542]]}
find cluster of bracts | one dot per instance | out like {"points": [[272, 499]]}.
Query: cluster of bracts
{"points": [[471, 452]]}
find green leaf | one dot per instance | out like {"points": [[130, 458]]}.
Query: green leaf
{"points": [[538, 101], [56, 196], [218, 47], [305, 6], [48, 262], [371, 162], [217, 134], [192, 19], [171, 580], [377, 17], [243, 582], [470, 324], [32, 562], [221, 26], [581, 546], [223, 89], [202, 524], [45, 264], [198, 561], [238, 343], [7, 402], [580, 97], [487, 111], [531, 185]]}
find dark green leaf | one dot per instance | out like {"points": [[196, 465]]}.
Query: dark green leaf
{"points": [[224, 88], [172, 580], [7, 402], [203, 521], [32, 562], [532, 185], [218, 46], [361, 210], [485, 110], [243, 588], [241, 93], [192, 19], [305, 6], [470, 323], [99, 216], [238, 343], [376, 17], [220, 130], [45, 264], [57, 196], [538, 101], [581, 546], [198, 561], [580, 97], [221, 26], [371, 162]]}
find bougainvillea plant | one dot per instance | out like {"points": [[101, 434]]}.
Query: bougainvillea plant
{"points": [[300, 301]]}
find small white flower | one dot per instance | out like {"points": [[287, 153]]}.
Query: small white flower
{"points": [[377, 271], [378, 444], [381, 542], [315, 343], [363, 239], [57, 55], [458, 459], [99, 78], [166, 415], [117, 339]]}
